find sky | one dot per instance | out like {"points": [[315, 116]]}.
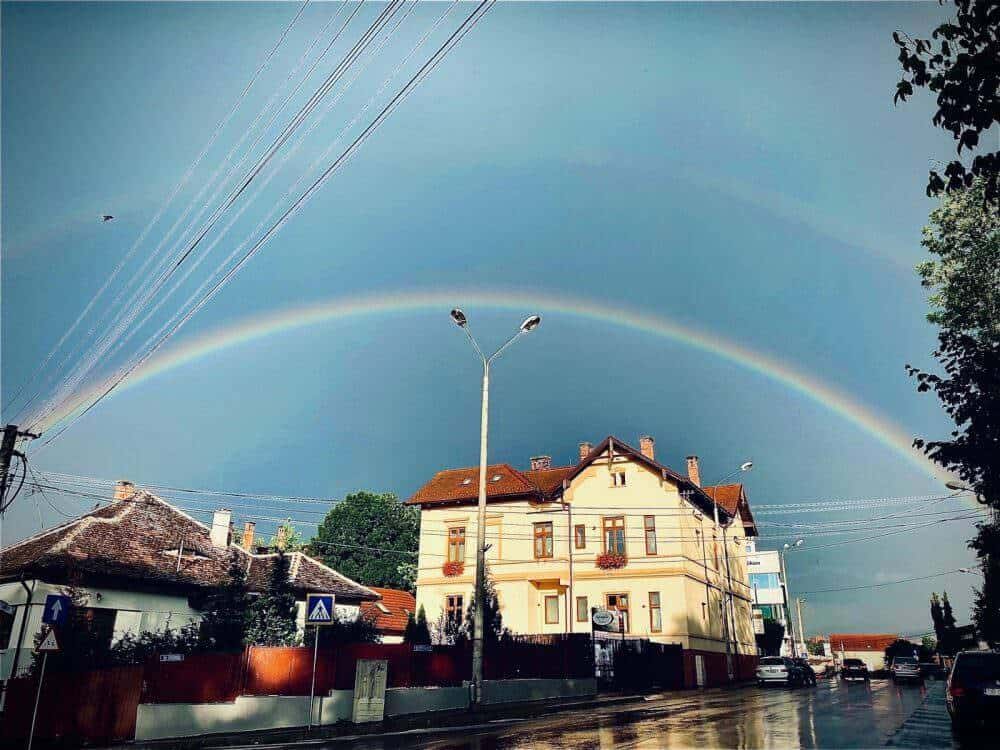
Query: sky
{"points": [[716, 208]]}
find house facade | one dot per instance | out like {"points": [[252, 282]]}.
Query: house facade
{"points": [[617, 531], [390, 613], [868, 647], [139, 564], [768, 590]]}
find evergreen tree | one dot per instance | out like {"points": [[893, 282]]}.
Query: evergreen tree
{"points": [[937, 616], [270, 619], [224, 622], [417, 630], [493, 629]]}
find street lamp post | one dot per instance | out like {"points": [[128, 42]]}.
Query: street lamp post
{"points": [[784, 590], [462, 322]]}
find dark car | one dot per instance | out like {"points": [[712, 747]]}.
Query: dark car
{"points": [[854, 669], [808, 673], [974, 687]]}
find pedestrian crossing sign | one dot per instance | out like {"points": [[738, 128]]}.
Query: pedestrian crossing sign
{"points": [[48, 643], [319, 609]]}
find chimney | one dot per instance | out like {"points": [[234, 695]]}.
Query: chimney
{"points": [[693, 474], [585, 449], [248, 528], [646, 446], [124, 490], [281, 538], [541, 462], [221, 524]]}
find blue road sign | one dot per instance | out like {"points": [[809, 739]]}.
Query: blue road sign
{"points": [[319, 609], [56, 608]]}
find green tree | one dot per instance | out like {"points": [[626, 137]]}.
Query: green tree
{"points": [[929, 644], [963, 278], [223, 624], [270, 618], [366, 520], [815, 646], [293, 541], [960, 65], [417, 630], [360, 629], [769, 642], [493, 629]]}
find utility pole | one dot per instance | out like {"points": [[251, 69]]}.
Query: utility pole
{"points": [[802, 628], [7, 452]]}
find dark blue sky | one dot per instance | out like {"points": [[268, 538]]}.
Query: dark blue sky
{"points": [[740, 168]]}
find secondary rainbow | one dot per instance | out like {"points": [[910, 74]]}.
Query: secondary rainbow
{"points": [[258, 327]]}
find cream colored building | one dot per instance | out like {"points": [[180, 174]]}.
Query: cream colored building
{"points": [[549, 528]]}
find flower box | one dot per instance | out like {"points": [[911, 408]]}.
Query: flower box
{"points": [[611, 561], [453, 568]]}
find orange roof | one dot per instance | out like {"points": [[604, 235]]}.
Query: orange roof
{"points": [[732, 499], [399, 605], [458, 485], [861, 641]]}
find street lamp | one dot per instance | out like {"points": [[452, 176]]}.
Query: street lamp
{"points": [[784, 587], [529, 324], [727, 605]]}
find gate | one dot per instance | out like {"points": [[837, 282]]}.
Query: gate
{"points": [[638, 664]]}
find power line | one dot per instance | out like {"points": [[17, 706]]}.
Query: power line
{"points": [[886, 583]]}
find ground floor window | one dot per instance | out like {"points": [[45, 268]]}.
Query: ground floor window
{"points": [[619, 603], [453, 608], [551, 610], [655, 616], [582, 609]]}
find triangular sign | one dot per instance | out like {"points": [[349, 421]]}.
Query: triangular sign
{"points": [[319, 612], [49, 643]]}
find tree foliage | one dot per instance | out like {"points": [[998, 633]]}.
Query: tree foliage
{"points": [[223, 624], [270, 617], [960, 63], [771, 639], [963, 277], [365, 520], [417, 629], [945, 627], [342, 630]]}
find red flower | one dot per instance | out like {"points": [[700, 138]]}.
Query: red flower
{"points": [[610, 561], [453, 568]]}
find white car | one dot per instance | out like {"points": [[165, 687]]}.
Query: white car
{"points": [[777, 669]]}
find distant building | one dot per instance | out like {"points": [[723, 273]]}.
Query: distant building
{"points": [[142, 565], [616, 531], [768, 591], [390, 613], [869, 647]]}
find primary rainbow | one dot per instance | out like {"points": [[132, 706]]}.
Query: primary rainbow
{"points": [[879, 427]]}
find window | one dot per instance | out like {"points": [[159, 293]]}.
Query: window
{"points": [[551, 610], [614, 535], [453, 609], [582, 610], [580, 535], [618, 479], [543, 540], [619, 603], [456, 544], [649, 526], [764, 581], [655, 618]]}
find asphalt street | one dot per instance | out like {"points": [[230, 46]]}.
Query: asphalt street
{"points": [[832, 715]]}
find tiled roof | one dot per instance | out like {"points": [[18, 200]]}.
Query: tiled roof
{"points": [[549, 480], [141, 539], [861, 641], [732, 499], [459, 485], [399, 603]]}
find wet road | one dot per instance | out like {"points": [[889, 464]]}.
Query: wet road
{"points": [[831, 715]]}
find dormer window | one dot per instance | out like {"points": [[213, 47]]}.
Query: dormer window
{"points": [[466, 481], [382, 608], [496, 478], [618, 479]]}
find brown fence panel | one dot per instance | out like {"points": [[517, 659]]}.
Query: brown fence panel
{"points": [[399, 656], [200, 678], [75, 708], [288, 670]]}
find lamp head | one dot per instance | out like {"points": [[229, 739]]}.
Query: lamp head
{"points": [[799, 542], [746, 466], [531, 323], [459, 317], [958, 486]]}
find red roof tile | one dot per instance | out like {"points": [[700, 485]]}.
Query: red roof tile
{"points": [[861, 641], [732, 499], [462, 485], [399, 605], [141, 539]]}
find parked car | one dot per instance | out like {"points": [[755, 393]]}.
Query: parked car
{"points": [[974, 687], [905, 668], [854, 669], [778, 669], [808, 674]]}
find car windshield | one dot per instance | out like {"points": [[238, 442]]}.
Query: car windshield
{"points": [[905, 660], [772, 661], [985, 666], [853, 663]]}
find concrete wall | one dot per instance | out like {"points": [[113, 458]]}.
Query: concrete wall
{"points": [[247, 713]]}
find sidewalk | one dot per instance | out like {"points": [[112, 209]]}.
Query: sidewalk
{"points": [[928, 726], [401, 726]]}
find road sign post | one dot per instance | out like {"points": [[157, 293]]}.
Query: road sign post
{"points": [[48, 645], [319, 611]]}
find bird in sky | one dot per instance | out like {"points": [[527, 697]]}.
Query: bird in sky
{"points": [[106, 218]]}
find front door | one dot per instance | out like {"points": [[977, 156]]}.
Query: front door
{"points": [[619, 603]]}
